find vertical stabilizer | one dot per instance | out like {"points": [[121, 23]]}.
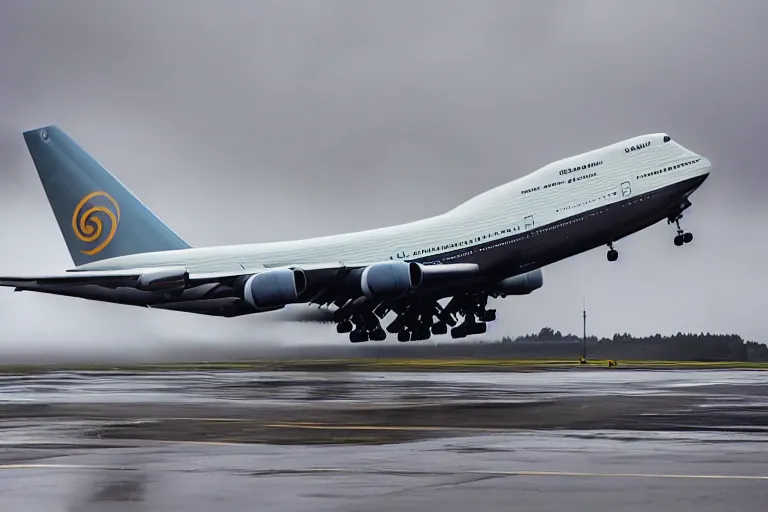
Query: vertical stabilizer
{"points": [[98, 216]]}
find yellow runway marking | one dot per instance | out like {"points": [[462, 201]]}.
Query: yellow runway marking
{"points": [[620, 475], [324, 426], [221, 420], [206, 443], [54, 466], [320, 426], [542, 473]]}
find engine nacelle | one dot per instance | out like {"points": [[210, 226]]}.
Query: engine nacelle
{"points": [[386, 280], [274, 287], [164, 280], [520, 285]]}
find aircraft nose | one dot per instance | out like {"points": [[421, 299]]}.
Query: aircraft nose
{"points": [[707, 166]]}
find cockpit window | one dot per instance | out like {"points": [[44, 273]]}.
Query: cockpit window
{"points": [[667, 138]]}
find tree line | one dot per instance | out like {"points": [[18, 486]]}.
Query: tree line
{"points": [[680, 346]]}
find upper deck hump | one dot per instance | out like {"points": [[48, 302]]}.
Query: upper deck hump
{"points": [[561, 168]]}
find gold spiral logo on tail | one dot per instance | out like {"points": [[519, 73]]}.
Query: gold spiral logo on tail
{"points": [[88, 225]]}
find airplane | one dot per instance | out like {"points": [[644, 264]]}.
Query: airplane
{"points": [[493, 245]]}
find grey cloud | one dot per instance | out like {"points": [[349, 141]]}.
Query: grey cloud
{"points": [[251, 122]]}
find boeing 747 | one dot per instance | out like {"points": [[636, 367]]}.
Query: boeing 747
{"points": [[493, 245]]}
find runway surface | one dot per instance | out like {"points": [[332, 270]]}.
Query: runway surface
{"points": [[193, 441]]}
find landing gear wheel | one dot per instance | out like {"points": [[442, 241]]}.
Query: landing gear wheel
{"points": [[459, 332], [358, 336], [613, 255], [378, 334], [489, 315], [403, 336], [682, 237], [439, 328], [344, 327]]}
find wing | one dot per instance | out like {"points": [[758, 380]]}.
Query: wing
{"points": [[149, 279], [243, 292], [160, 279]]}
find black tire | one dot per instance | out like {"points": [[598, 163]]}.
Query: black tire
{"points": [[459, 332], [439, 328], [679, 240], [378, 335], [489, 315], [688, 238]]}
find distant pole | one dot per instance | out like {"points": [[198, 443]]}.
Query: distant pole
{"points": [[584, 339]]}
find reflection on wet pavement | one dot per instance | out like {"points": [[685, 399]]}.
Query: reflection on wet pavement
{"points": [[636, 440]]}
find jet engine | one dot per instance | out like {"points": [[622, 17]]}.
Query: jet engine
{"points": [[274, 287], [388, 279], [520, 285]]}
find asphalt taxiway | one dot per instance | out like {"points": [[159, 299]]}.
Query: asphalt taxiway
{"points": [[368, 441]]}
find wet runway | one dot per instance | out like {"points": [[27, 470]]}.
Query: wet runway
{"points": [[192, 441]]}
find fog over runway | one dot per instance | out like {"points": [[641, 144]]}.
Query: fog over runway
{"points": [[598, 440]]}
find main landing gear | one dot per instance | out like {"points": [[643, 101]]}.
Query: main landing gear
{"points": [[362, 326], [420, 320], [417, 320], [682, 237], [473, 309], [613, 254]]}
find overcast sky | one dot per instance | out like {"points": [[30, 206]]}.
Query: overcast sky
{"points": [[242, 122]]}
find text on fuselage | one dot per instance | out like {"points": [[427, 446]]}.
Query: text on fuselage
{"points": [[441, 248], [637, 147], [561, 182], [668, 168], [580, 167]]}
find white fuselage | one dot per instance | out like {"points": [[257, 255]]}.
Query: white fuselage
{"points": [[610, 174]]}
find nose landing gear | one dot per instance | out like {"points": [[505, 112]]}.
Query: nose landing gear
{"points": [[682, 236]]}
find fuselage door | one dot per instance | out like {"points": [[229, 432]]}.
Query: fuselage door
{"points": [[626, 189], [529, 222]]}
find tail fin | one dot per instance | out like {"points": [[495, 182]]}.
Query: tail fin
{"points": [[98, 216]]}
